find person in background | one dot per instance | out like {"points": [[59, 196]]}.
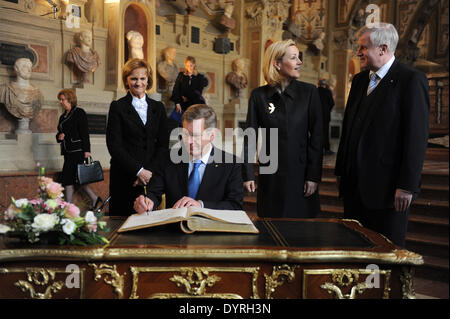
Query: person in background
{"points": [[327, 102], [384, 136], [293, 109], [73, 137], [136, 137], [188, 86]]}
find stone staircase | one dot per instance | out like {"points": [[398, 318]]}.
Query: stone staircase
{"points": [[428, 228]]}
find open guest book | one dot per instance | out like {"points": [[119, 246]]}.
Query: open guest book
{"points": [[193, 219]]}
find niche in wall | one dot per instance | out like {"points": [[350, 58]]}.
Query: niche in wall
{"points": [[136, 20]]}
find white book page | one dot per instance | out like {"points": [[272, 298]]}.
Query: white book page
{"points": [[154, 217], [230, 216]]}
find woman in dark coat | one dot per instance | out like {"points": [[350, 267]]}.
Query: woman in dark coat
{"points": [[287, 185], [73, 137], [136, 137], [188, 86]]}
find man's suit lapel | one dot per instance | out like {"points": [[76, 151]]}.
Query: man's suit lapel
{"points": [[182, 173], [381, 93], [209, 175], [356, 94]]}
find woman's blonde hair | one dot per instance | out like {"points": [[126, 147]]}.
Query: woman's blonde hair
{"points": [[275, 52], [192, 60], [134, 64]]}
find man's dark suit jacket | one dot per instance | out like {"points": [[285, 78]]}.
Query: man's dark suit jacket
{"points": [[392, 144], [133, 145], [220, 188]]}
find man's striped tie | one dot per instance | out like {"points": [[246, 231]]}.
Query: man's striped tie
{"points": [[372, 83]]}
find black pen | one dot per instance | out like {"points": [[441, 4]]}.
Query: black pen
{"points": [[145, 198]]}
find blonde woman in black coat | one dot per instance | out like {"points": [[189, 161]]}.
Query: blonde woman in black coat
{"points": [[293, 110], [73, 137]]}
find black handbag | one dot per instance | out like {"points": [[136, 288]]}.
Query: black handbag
{"points": [[89, 172]]}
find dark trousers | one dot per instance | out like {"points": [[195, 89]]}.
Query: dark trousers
{"points": [[388, 222]]}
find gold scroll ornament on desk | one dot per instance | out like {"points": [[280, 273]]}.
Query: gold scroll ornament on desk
{"points": [[193, 219]]}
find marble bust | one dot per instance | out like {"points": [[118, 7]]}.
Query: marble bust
{"points": [[168, 69], [135, 43], [226, 20], [84, 59], [318, 43], [22, 99], [237, 78]]}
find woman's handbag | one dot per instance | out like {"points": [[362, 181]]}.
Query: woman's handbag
{"points": [[89, 172], [176, 116]]}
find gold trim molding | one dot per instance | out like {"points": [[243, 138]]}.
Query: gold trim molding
{"points": [[342, 278], [401, 256], [195, 281], [116, 280], [407, 280], [286, 272], [41, 277]]}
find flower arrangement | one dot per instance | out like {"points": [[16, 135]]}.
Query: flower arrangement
{"points": [[49, 213]]}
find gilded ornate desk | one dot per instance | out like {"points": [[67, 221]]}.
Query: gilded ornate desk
{"points": [[309, 258]]}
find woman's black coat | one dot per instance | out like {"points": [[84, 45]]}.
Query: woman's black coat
{"points": [[297, 115], [133, 145], [75, 129], [190, 87]]}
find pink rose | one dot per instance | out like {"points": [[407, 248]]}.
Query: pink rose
{"points": [[45, 180], [54, 190], [35, 202], [72, 211]]}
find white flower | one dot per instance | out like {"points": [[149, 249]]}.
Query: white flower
{"points": [[4, 229], [44, 222], [21, 203], [68, 226], [90, 217]]}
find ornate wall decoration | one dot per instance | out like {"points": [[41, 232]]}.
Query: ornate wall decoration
{"points": [[344, 10], [280, 274], [309, 17], [116, 279], [405, 9], [443, 29], [268, 13], [182, 39], [215, 6]]}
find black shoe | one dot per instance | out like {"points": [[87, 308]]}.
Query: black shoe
{"points": [[97, 203]]}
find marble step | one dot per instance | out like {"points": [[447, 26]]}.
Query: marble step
{"points": [[428, 244], [434, 268]]}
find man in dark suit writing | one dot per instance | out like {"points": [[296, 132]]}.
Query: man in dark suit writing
{"points": [[207, 177], [384, 136]]}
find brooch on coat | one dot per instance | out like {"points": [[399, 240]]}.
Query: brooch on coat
{"points": [[271, 108]]}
